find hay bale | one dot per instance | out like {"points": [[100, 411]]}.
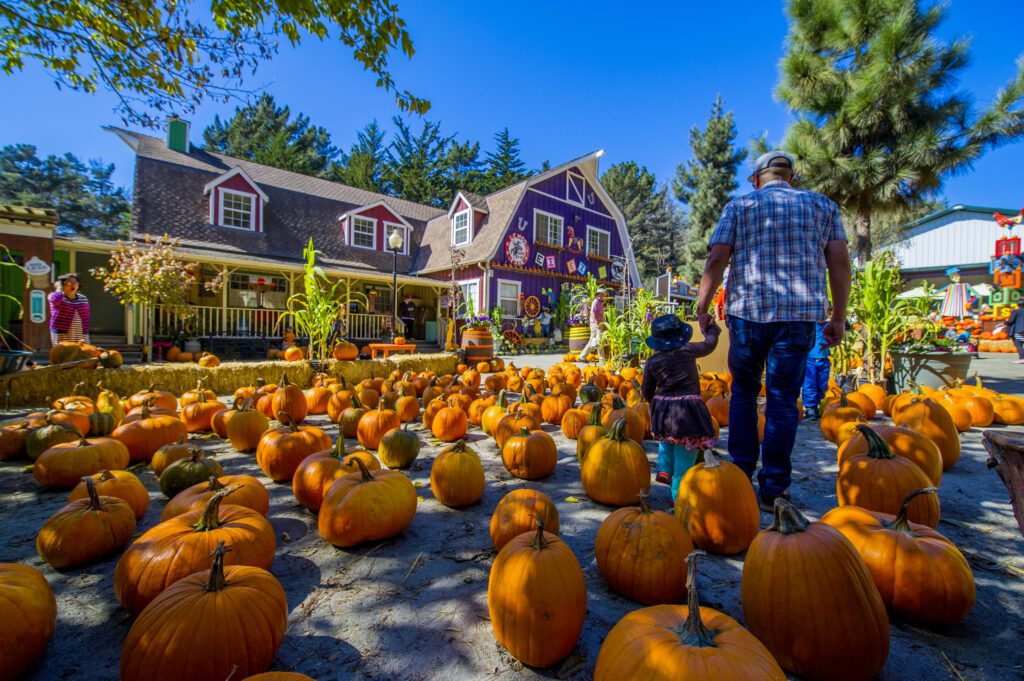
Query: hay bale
{"points": [[32, 390], [358, 370]]}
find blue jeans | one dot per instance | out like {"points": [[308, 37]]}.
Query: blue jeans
{"points": [[545, 330], [782, 348], [675, 460], [816, 381]]}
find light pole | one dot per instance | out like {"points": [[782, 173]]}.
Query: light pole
{"points": [[395, 241]]}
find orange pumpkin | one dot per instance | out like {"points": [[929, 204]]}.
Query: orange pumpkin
{"points": [[374, 424], [903, 442], [365, 506], [282, 449], [198, 416], [449, 425], [529, 455], [518, 512], [319, 470], [931, 420], [615, 470], [247, 491], [717, 506], [293, 354], [149, 433], [290, 399]]}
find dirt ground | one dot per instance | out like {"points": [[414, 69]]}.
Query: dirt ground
{"points": [[415, 606]]}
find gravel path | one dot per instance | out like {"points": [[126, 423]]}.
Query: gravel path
{"points": [[415, 606]]}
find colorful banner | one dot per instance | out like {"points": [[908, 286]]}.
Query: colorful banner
{"points": [[582, 269], [571, 266], [539, 259], [602, 272], [551, 262]]}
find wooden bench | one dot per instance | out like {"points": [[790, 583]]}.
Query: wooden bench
{"points": [[388, 348]]}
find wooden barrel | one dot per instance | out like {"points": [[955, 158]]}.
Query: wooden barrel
{"points": [[579, 336], [478, 345]]}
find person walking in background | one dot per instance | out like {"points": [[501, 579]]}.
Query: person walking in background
{"points": [[782, 242], [596, 327], [407, 313], [679, 419], [545, 322], [819, 369], [1015, 330], [69, 311]]}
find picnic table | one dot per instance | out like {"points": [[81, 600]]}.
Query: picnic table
{"points": [[388, 348]]}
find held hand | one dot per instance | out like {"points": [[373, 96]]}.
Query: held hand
{"points": [[833, 332], [705, 321]]}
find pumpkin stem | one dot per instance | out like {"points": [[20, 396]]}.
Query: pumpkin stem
{"points": [[362, 469], [711, 459], [900, 524], [210, 517], [788, 520], [459, 446], [595, 414], [284, 380], [214, 485], [217, 580], [71, 429], [539, 542], [693, 633], [618, 431], [645, 507], [287, 421], [877, 447], [105, 475], [502, 399], [94, 497], [356, 404], [524, 431]]}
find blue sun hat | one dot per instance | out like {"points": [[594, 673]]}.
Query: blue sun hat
{"points": [[669, 332]]}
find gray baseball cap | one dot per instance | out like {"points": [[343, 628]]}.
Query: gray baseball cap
{"points": [[772, 159]]}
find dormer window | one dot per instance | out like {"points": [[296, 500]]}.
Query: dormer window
{"points": [[461, 234], [364, 232], [236, 210]]}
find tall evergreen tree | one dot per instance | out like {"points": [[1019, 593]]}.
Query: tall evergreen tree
{"points": [[705, 184], [366, 161], [465, 170], [505, 165], [879, 126], [86, 199], [654, 227], [266, 133], [417, 168]]}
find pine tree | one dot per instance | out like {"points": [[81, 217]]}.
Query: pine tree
{"points": [[655, 229], [505, 165], [417, 168], [705, 184], [86, 199], [266, 133], [465, 169], [879, 126], [364, 166]]}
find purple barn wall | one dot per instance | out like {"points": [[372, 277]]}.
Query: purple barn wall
{"points": [[556, 186]]}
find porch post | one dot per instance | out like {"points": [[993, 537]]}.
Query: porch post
{"points": [[224, 300]]}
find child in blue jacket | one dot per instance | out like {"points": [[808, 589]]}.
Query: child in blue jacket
{"points": [[817, 373]]}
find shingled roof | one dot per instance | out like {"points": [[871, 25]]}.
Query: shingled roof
{"points": [[435, 248]]}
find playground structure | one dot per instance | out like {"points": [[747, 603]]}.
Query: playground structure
{"points": [[1005, 268]]}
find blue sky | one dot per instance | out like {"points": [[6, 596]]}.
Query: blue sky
{"points": [[566, 78]]}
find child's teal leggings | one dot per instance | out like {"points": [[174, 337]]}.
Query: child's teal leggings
{"points": [[675, 460]]}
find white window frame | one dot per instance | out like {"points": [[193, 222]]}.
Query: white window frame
{"points": [[392, 226], [561, 228], [519, 290], [608, 234], [570, 189], [475, 285], [469, 227], [252, 209], [352, 232]]}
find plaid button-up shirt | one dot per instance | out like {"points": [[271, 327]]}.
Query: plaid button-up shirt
{"points": [[778, 235]]}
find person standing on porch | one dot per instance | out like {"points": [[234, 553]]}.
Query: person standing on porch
{"points": [[69, 311], [782, 243], [596, 325], [407, 313]]}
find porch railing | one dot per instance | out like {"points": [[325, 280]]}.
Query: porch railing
{"points": [[248, 321]]}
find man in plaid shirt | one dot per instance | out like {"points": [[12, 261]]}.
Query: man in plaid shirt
{"points": [[781, 241]]}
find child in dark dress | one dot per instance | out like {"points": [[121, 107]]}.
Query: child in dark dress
{"points": [[679, 419]]}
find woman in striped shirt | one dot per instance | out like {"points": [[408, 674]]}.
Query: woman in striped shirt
{"points": [[69, 311]]}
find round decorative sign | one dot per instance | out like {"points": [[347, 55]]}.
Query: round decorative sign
{"points": [[517, 250], [618, 271]]}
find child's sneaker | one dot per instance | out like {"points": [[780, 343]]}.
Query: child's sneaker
{"points": [[663, 477]]}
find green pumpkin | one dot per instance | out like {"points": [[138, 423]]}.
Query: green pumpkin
{"points": [[398, 448], [590, 393], [44, 437], [101, 424], [184, 473], [111, 360]]}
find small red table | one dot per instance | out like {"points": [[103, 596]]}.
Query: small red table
{"points": [[388, 348]]}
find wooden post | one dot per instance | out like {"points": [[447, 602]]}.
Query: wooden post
{"points": [[1006, 455]]}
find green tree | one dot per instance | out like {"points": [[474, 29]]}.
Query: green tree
{"points": [[706, 182], [88, 202], [417, 168], [505, 165], [465, 170], [879, 125], [267, 133], [169, 57], [364, 167], [654, 227]]}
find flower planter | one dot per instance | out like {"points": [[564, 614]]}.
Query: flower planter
{"points": [[932, 369], [578, 336], [478, 345]]}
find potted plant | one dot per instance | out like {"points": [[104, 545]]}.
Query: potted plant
{"points": [[933, 361], [477, 339]]}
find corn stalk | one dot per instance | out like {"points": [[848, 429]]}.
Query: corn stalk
{"points": [[884, 318], [313, 310]]}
